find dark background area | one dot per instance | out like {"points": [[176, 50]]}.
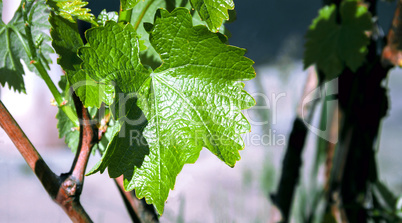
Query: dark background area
{"points": [[265, 27], [262, 27]]}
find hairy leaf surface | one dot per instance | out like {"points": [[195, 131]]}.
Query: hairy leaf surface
{"points": [[193, 100], [15, 45], [332, 46]]}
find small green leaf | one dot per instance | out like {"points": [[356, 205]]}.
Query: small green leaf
{"points": [[15, 47], [332, 46], [193, 100], [213, 12], [70, 9]]}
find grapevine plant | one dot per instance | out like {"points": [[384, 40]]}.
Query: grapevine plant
{"points": [[148, 87], [348, 49]]}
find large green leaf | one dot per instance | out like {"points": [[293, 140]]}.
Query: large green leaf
{"points": [[66, 41], [213, 12], [15, 45], [332, 46], [193, 100], [70, 9]]}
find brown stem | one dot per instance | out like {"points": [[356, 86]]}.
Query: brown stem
{"points": [[130, 202], [61, 189], [73, 181], [87, 137], [49, 180], [68, 199], [138, 209], [330, 147]]}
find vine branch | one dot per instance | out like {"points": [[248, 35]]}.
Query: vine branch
{"points": [[45, 175], [60, 188], [130, 202], [87, 138]]}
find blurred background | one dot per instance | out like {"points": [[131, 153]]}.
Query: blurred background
{"points": [[207, 191]]}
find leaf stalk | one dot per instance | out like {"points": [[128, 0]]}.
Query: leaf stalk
{"points": [[137, 24], [37, 62]]}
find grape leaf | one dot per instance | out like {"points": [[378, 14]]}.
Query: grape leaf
{"points": [[193, 100], [15, 44], [213, 12], [66, 41], [72, 8], [128, 4], [332, 46]]}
